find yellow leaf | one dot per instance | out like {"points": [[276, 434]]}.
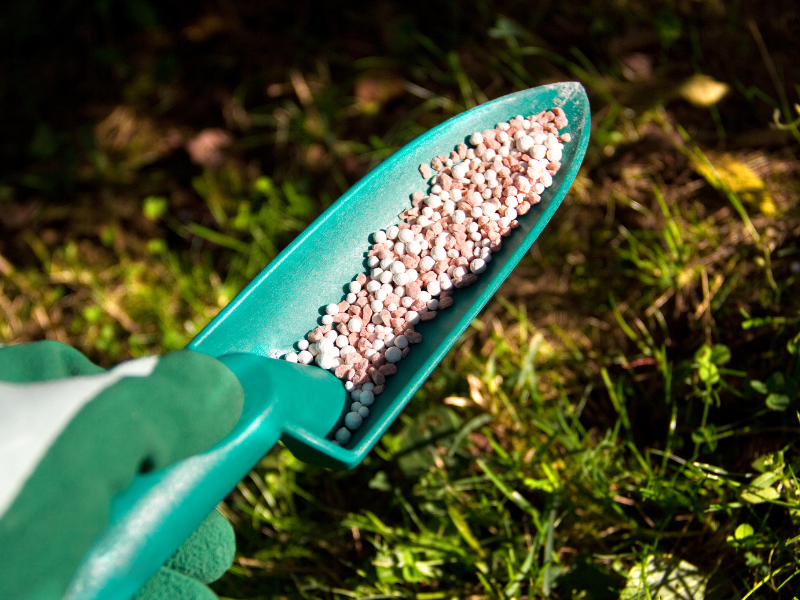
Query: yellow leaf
{"points": [[702, 90], [475, 386], [456, 401], [728, 172]]}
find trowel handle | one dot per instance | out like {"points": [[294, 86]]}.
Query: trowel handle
{"points": [[159, 510]]}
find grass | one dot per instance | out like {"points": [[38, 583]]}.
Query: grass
{"points": [[622, 420]]}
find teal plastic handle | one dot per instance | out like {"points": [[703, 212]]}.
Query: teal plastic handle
{"points": [[302, 405], [152, 517]]}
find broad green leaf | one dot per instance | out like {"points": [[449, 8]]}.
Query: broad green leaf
{"points": [[380, 482], [778, 402], [743, 531], [766, 479], [720, 354], [703, 355], [154, 207], [663, 579], [709, 373], [757, 496]]}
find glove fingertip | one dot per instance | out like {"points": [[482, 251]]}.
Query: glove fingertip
{"points": [[209, 552], [171, 585]]}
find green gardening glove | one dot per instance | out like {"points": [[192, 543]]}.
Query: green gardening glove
{"points": [[203, 558], [72, 435]]}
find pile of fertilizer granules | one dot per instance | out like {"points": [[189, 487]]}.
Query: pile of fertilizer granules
{"points": [[444, 241]]}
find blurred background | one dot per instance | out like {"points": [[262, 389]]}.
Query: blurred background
{"points": [[622, 416]]}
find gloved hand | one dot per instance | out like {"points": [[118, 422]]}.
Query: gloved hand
{"points": [[72, 435]]}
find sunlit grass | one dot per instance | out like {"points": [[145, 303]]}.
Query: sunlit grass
{"points": [[622, 416]]}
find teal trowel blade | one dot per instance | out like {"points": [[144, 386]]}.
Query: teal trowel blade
{"points": [[304, 405], [283, 303]]}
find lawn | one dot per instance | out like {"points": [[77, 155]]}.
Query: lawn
{"points": [[622, 419]]}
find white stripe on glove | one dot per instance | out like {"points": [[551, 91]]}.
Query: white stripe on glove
{"points": [[33, 415]]}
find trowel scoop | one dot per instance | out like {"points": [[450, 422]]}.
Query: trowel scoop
{"points": [[304, 405]]}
